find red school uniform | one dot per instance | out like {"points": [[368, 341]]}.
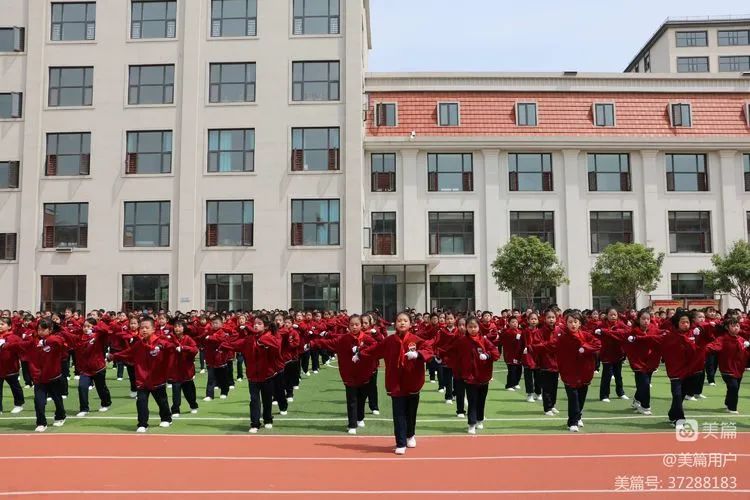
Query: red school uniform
{"points": [[680, 350], [262, 353], [511, 340], [733, 355], [346, 346], [611, 347], [403, 377], [576, 368], [150, 359], [530, 336], [182, 368], [466, 351], [44, 357], [88, 348], [9, 354], [546, 359]]}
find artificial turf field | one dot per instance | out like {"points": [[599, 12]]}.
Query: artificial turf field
{"points": [[319, 408]]}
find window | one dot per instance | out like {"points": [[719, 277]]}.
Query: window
{"points": [[609, 172], [647, 63], [229, 292], [234, 18], [145, 291], [316, 17], [686, 172], [383, 167], [9, 173], [11, 105], [680, 115], [386, 114], [8, 246], [151, 84], [541, 300], [604, 115], [450, 172], [384, 233], [610, 227], [315, 149], [71, 86], [734, 63], [448, 114], [149, 152], [530, 171], [526, 114], [315, 81], [153, 19], [63, 292], [66, 225], [690, 286], [692, 38], [315, 222], [146, 224], [12, 39], [690, 232], [68, 154], [451, 233], [73, 21], [316, 292], [734, 37], [231, 150], [230, 223], [232, 82], [748, 225], [452, 292], [692, 64], [539, 224], [746, 168]]}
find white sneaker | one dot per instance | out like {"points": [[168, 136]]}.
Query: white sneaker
{"points": [[360, 423], [77, 377], [165, 424], [517, 387], [296, 387], [239, 379], [169, 386], [231, 387], [268, 426], [511, 389], [223, 396], [16, 409], [376, 412], [461, 415], [140, 430], [352, 431], [480, 425], [690, 398], [733, 412], [449, 401], [290, 400], [275, 403], [472, 429], [65, 396], [82, 414], [530, 398], [253, 430], [624, 397], [119, 379], [49, 399], [549, 413], [441, 391], [27, 386], [644, 411], [315, 372], [104, 409], [679, 426], [573, 428], [538, 397], [555, 411], [175, 415], [702, 396], [605, 400], [635, 404], [133, 395], [307, 374], [40, 428], [411, 442], [203, 370], [91, 387], [433, 381], [282, 413], [400, 451], [208, 398], [194, 411], [712, 384], [580, 423], [58, 423]]}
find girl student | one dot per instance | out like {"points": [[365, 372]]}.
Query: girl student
{"points": [[356, 373], [261, 348], [369, 326], [531, 334], [405, 355], [217, 360], [510, 340], [182, 370], [446, 336], [548, 371], [291, 345], [459, 387], [475, 354], [122, 332], [611, 355], [733, 351], [694, 388], [10, 365]]}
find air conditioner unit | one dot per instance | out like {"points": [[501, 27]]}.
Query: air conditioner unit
{"points": [[64, 249]]}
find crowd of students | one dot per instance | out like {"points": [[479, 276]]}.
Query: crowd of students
{"points": [[458, 352]]}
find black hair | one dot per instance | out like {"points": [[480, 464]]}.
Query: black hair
{"points": [[682, 313]]}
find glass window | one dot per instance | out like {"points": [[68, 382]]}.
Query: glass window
{"points": [[451, 233], [610, 227], [686, 172], [66, 225], [315, 149], [734, 63], [692, 38], [71, 86], [73, 21], [316, 17], [146, 224], [229, 292], [68, 154], [690, 286], [316, 222], [232, 82], [680, 115], [153, 19], [450, 172], [452, 292], [383, 167], [230, 223], [539, 224], [647, 62], [316, 292], [231, 150], [604, 115], [530, 171], [609, 172], [692, 64], [11, 105], [690, 232], [9, 173], [145, 291], [448, 114], [315, 81], [63, 292], [526, 114], [384, 233], [746, 170], [149, 152], [386, 114], [8, 246], [541, 301], [12, 39], [734, 37], [234, 18], [152, 84]]}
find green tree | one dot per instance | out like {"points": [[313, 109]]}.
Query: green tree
{"points": [[525, 266], [731, 273], [623, 270]]}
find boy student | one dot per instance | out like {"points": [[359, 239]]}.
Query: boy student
{"points": [[547, 361], [733, 350], [612, 355], [148, 353], [217, 359], [510, 340], [182, 370], [10, 365]]}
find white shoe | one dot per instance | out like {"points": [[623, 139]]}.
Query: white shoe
{"points": [[82, 414], [549, 413], [239, 379], [530, 398], [411, 442], [275, 403], [555, 411], [290, 400], [376, 412], [104, 409], [223, 396], [472, 429], [175, 415], [164, 424], [635, 404], [231, 387], [712, 384], [517, 387], [449, 401], [679, 426], [27, 386], [91, 387], [580, 423], [203, 370], [40, 428], [433, 381], [461, 415], [296, 387], [690, 398], [58, 423], [644, 411], [16, 409], [133, 395], [315, 372], [328, 363], [169, 386], [268, 426], [352, 431], [624, 397], [441, 391], [360, 423], [733, 412], [511, 389], [64, 396], [400, 451], [119, 379], [573, 428], [253, 430], [605, 400], [307, 374], [702, 396], [208, 398], [140, 430], [194, 411], [538, 397], [282, 413], [77, 377], [480, 425], [49, 399]]}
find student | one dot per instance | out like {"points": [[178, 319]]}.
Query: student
{"points": [[548, 370], [216, 359], [405, 355], [611, 355], [459, 387], [148, 353], [261, 348], [446, 336], [355, 373], [378, 333], [125, 334], [290, 349], [10, 365], [733, 355], [428, 332], [694, 388], [532, 381], [510, 340], [182, 370]]}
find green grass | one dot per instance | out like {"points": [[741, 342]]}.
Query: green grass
{"points": [[319, 408]]}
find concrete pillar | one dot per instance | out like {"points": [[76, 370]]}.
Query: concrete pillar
{"points": [[495, 225], [574, 240]]}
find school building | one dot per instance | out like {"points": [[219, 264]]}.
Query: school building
{"points": [[233, 154]]}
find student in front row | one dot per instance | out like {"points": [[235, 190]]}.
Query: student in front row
{"points": [[10, 366], [734, 354]]}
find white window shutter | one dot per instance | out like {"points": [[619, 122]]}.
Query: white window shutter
{"points": [[252, 27], [216, 28]]}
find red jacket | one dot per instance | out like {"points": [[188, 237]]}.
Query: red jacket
{"points": [[733, 355], [345, 346], [511, 340], [680, 350], [443, 344], [215, 357], [44, 357], [403, 377], [643, 353], [9, 351], [182, 368], [530, 337], [611, 347], [466, 350], [150, 358], [89, 348], [291, 344], [576, 368], [262, 354], [545, 358]]}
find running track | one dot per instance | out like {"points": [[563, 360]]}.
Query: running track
{"points": [[530, 466]]}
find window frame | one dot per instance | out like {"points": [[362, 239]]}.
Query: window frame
{"points": [[251, 22], [59, 87], [300, 21], [674, 122], [470, 301], [132, 158], [596, 246], [331, 283], [448, 105], [740, 59], [691, 40], [434, 237], [166, 20], [547, 219], [525, 105], [217, 285], [8, 247], [626, 181], [160, 226], [303, 82], [547, 177], [159, 303], [247, 227], [166, 86], [383, 239], [297, 228], [746, 170], [298, 155], [248, 155], [381, 114], [707, 231], [691, 63], [14, 175], [79, 282], [594, 110], [49, 239], [51, 164], [434, 174], [702, 178], [89, 25], [250, 87], [19, 39], [674, 280], [375, 176], [736, 31]]}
